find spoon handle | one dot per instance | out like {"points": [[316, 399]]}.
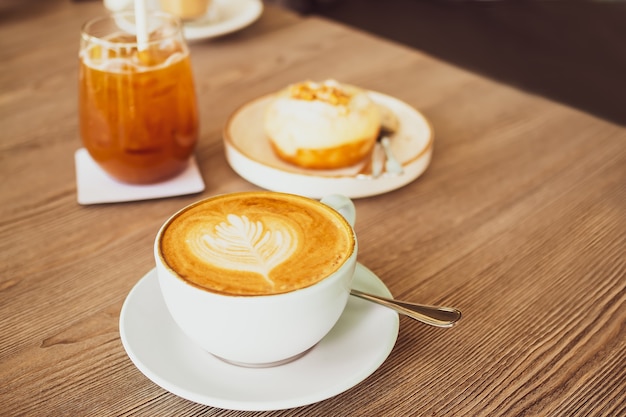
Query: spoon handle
{"points": [[435, 316]]}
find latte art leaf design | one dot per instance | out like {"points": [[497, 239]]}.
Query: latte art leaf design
{"points": [[241, 244]]}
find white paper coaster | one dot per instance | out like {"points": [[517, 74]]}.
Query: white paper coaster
{"points": [[94, 186]]}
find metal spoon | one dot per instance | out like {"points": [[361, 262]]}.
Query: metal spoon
{"points": [[391, 164], [383, 157], [432, 315], [378, 159]]}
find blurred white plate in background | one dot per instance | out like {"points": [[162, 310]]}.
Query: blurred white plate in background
{"points": [[223, 17]]}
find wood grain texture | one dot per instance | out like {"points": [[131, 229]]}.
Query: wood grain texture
{"points": [[520, 221]]}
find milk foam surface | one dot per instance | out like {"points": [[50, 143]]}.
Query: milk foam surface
{"points": [[240, 244], [256, 244]]}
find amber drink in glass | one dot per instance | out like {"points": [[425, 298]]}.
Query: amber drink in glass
{"points": [[138, 108]]}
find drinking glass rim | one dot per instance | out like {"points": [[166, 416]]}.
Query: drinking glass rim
{"points": [[128, 17]]}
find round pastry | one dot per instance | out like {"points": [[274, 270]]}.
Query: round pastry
{"points": [[322, 125]]}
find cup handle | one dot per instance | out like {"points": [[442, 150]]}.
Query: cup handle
{"points": [[343, 205]]}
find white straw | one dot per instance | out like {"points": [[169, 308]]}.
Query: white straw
{"points": [[141, 24]]}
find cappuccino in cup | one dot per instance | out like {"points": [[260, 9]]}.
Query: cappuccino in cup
{"points": [[256, 244], [257, 278]]}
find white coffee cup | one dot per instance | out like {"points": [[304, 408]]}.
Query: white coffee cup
{"points": [[258, 330]]}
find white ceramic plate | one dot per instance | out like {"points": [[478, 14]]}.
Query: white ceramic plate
{"points": [[357, 345], [249, 153], [223, 17], [226, 16]]}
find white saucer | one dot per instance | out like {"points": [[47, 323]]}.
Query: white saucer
{"points": [[94, 186], [225, 16], [249, 153], [353, 350]]}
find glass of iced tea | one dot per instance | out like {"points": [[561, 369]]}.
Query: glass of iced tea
{"points": [[137, 101]]}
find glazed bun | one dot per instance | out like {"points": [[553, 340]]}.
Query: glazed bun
{"points": [[323, 125]]}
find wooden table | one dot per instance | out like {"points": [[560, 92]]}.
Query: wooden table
{"points": [[519, 222]]}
